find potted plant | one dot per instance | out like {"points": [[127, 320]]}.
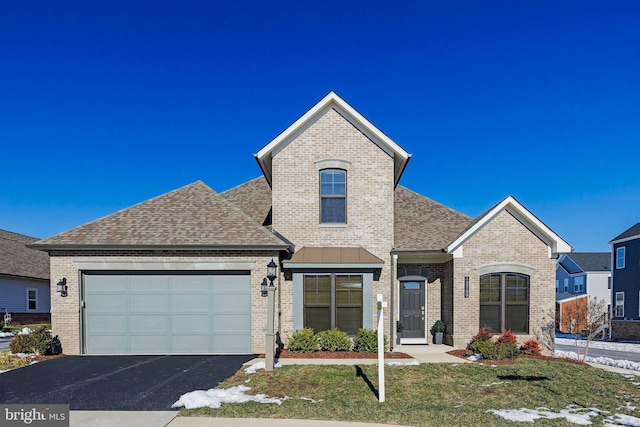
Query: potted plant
{"points": [[399, 328], [437, 330]]}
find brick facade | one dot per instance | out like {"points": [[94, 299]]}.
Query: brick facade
{"points": [[625, 330], [370, 186], [502, 240]]}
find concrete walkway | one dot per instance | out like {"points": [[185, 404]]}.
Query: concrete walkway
{"points": [[421, 353]]}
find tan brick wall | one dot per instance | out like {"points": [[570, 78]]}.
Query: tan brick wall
{"points": [[65, 312], [504, 239], [296, 203]]}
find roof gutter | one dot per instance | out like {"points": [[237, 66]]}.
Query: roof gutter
{"points": [[73, 247]]}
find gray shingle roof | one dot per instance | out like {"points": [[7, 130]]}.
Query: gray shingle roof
{"points": [[423, 224], [253, 198], [16, 259], [633, 231], [592, 261], [191, 216]]}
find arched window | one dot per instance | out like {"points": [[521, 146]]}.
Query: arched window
{"points": [[333, 196], [504, 302]]}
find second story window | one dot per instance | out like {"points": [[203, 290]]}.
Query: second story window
{"points": [[620, 257], [333, 196], [578, 284]]}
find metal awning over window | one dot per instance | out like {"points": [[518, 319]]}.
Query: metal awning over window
{"points": [[333, 257]]}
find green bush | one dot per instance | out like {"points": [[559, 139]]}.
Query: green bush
{"points": [[303, 341], [38, 342], [366, 341], [334, 340], [494, 350]]}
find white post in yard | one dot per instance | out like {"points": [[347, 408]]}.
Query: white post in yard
{"points": [[381, 304]]}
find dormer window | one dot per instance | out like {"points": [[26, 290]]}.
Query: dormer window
{"points": [[333, 196]]}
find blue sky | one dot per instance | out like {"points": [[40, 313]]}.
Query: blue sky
{"points": [[104, 104]]}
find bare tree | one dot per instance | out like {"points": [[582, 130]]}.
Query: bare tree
{"points": [[589, 320], [546, 333]]}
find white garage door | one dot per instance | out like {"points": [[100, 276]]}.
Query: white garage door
{"points": [[166, 313]]}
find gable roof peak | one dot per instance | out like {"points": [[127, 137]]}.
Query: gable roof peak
{"points": [[333, 101], [555, 243]]}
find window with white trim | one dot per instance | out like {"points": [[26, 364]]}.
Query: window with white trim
{"points": [[620, 253], [32, 299], [557, 286], [566, 285], [333, 196], [578, 284], [619, 304]]}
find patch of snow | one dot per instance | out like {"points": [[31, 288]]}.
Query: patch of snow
{"points": [[625, 364], [622, 420], [605, 345], [259, 365], [575, 415], [455, 364], [6, 334], [412, 363], [310, 400], [25, 331], [474, 357], [215, 397], [495, 383]]}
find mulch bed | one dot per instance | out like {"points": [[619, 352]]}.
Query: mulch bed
{"points": [[463, 354], [286, 354]]}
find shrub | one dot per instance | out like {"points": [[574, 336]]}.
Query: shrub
{"points": [[507, 337], [303, 341], [482, 335], [531, 347], [495, 351], [39, 342], [334, 340], [439, 326], [366, 341]]}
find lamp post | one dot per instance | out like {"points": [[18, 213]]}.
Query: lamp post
{"points": [[270, 293]]}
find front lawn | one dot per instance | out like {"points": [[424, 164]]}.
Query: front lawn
{"points": [[433, 394]]}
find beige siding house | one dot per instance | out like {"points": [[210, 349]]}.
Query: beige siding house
{"points": [[181, 273]]}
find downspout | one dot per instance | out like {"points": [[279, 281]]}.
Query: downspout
{"points": [[391, 312]]}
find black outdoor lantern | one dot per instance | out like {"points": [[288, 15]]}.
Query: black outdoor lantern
{"points": [[62, 287], [272, 271], [263, 287]]}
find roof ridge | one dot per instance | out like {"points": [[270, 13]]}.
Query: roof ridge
{"points": [[241, 184]]}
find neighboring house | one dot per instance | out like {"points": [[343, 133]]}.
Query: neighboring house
{"points": [[24, 280], [585, 273], [625, 280], [571, 312], [181, 273]]}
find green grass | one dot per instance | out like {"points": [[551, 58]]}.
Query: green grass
{"points": [[431, 394]]}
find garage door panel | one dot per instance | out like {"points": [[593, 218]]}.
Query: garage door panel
{"points": [[148, 283], [232, 343], [150, 344], [109, 284], [108, 303], [232, 323], [231, 284], [167, 313], [149, 303], [107, 323], [191, 284], [192, 302], [230, 303], [149, 323], [108, 344], [192, 343]]}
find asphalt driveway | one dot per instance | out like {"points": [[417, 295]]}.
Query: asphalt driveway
{"points": [[117, 383]]}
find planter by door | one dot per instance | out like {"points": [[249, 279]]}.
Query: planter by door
{"points": [[437, 337]]}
